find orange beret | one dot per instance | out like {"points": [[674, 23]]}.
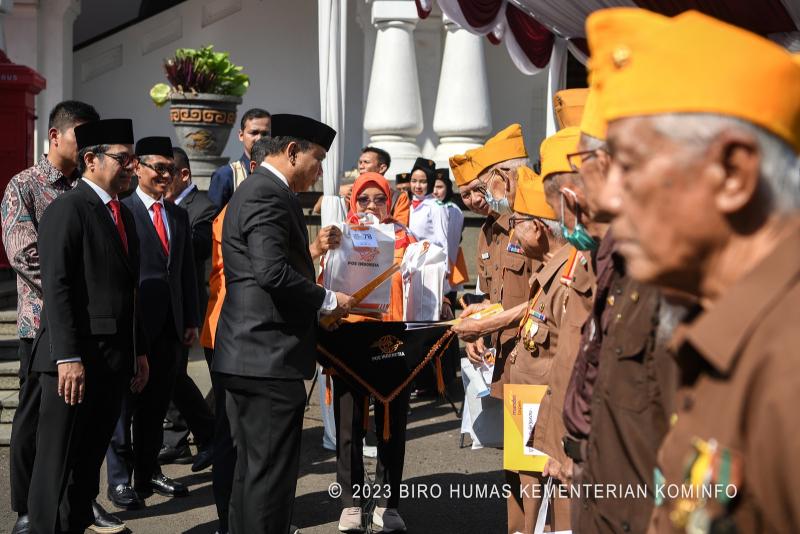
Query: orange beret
{"points": [[465, 168], [505, 145], [592, 122], [530, 198], [648, 64], [568, 105], [554, 150]]}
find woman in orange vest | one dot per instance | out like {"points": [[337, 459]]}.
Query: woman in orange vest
{"points": [[372, 195]]}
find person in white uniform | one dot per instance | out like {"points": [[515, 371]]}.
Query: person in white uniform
{"points": [[428, 218]]}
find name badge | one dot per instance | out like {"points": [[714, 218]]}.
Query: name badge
{"points": [[364, 239]]}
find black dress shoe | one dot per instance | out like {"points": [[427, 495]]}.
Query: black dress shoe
{"points": [[171, 455], [163, 485], [124, 497], [22, 526], [105, 523], [203, 459]]}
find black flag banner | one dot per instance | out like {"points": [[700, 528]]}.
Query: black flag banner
{"points": [[381, 358]]}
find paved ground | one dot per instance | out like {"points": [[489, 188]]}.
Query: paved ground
{"points": [[434, 463]]}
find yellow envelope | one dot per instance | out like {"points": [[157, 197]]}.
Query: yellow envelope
{"points": [[520, 410]]}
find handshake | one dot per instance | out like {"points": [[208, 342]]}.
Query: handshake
{"points": [[332, 318]]}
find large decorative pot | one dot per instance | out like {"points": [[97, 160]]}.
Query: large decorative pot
{"points": [[203, 123]]}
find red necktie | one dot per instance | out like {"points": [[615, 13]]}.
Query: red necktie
{"points": [[114, 205], [158, 221], [415, 203]]}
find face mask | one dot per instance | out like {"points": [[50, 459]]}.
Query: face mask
{"points": [[496, 205], [579, 237]]}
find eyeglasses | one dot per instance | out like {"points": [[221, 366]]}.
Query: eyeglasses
{"points": [[514, 220], [577, 159], [365, 201], [160, 168], [124, 159]]}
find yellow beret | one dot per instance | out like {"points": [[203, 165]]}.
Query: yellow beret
{"points": [[648, 64], [465, 168], [554, 150], [592, 122], [530, 198], [505, 145], [568, 105]]}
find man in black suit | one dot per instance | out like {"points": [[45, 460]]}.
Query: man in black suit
{"points": [[189, 411], [265, 342], [168, 300], [90, 343]]}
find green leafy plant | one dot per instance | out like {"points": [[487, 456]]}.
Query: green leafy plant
{"points": [[200, 70]]}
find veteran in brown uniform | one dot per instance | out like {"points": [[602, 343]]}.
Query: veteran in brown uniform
{"points": [[548, 324], [619, 397], [487, 181], [704, 175]]}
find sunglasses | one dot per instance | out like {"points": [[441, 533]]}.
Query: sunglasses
{"points": [[123, 159], [365, 201], [160, 168]]}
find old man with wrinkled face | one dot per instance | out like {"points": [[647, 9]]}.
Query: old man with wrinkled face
{"points": [[704, 131]]}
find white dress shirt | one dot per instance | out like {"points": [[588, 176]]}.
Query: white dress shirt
{"points": [[429, 221], [148, 204], [330, 303]]}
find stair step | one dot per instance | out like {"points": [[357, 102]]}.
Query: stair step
{"points": [[8, 406], [8, 315], [9, 376], [5, 434]]}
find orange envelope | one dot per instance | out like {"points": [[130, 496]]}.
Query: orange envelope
{"points": [[520, 410]]}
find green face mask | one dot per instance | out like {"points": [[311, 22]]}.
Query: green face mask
{"points": [[579, 237]]}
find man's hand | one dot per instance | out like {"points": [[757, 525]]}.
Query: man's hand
{"points": [[328, 238], [189, 335], [71, 382], [475, 308], [475, 352], [142, 375], [344, 303], [470, 330], [560, 472]]}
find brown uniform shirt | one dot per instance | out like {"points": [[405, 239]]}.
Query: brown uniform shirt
{"points": [[631, 406], [740, 390], [504, 275], [575, 307]]}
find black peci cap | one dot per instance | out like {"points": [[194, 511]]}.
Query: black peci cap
{"points": [[154, 146], [402, 178], [104, 132], [285, 124]]}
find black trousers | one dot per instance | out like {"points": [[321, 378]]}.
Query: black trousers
{"points": [[70, 444], [23, 430], [189, 411], [266, 418], [139, 432], [348, 409], [224, 459]]}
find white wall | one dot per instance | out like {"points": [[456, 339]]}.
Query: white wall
{"points": [[275, 41]]}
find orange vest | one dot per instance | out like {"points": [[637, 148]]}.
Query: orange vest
{"points": [[216, 284]]}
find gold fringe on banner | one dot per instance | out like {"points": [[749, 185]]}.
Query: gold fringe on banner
{"points": [[437, 349]]}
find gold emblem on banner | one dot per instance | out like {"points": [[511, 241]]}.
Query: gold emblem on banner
{"points": [[388, 344]]}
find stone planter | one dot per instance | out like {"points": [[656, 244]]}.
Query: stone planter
{"points": [[203, 124]]}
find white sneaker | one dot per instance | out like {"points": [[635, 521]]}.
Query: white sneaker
{"points": [[350, 520], [388, 520]]}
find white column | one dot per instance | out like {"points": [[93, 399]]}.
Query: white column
{"points": [[463, 116], [56, 18], [393, 117]]}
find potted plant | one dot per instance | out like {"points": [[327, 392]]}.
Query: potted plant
{"points": [[204, 89]]}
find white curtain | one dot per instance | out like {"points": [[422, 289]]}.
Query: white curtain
{"points": [[332, 53], [567, 17], [556, 81]]}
